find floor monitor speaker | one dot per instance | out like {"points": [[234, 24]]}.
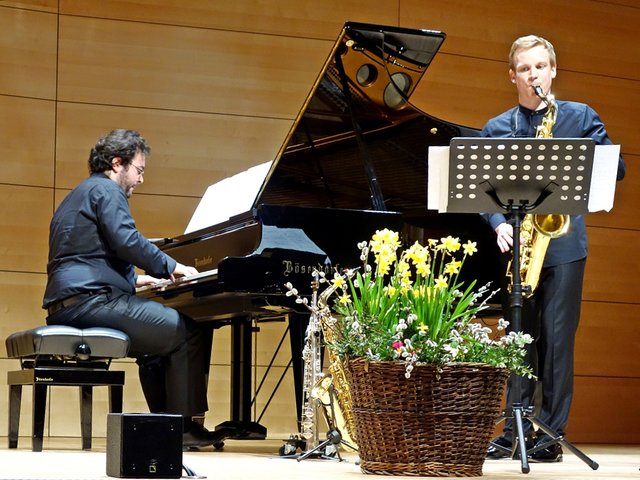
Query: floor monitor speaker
{"points": [[144, 445]]}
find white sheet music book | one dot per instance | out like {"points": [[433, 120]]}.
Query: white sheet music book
{"points": [[602, 187], [228, 197], [438, 175], [603, 177]]}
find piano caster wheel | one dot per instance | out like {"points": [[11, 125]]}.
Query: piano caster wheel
{"points": [[218, 445]]}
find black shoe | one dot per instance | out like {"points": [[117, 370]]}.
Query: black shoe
{"points": [[495, 453], [197, 436], [551, 454]]}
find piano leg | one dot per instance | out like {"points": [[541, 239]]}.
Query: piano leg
{"points": [[297, 329], [207, 331], [240, 426]]}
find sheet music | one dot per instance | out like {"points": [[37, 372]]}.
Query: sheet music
{"points": [[438, 179], [603, 178], [228, 197]]}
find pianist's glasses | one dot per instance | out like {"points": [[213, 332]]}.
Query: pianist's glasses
{"points": [[138, 169]]}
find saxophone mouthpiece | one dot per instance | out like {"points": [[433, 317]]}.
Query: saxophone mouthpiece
{"points": [[538, 91]]}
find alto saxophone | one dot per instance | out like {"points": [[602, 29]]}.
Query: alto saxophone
{"points": [[537, 229], [336, 381]]}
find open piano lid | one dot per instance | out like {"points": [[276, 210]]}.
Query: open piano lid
{"points": [[364, 86]]}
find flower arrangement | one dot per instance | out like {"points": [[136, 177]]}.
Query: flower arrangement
{"points": [[411, 306]]}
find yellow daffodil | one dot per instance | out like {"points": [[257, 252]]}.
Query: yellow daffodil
{"points": [[441, 282], [423, 269], [452, 267], [338, 281], [451, 244], [470, 248], [390, 290], [345, 299]]}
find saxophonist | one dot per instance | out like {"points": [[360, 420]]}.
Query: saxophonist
{"points": [[552, 313]]}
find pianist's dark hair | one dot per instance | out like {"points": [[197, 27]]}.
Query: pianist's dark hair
{"points": [[117, 143]]}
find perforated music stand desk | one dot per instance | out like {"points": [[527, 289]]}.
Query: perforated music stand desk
{"points": [[520, 176], [547, 175]]}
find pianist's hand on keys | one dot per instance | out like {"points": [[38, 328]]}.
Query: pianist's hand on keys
{"points": [[153, 283]]}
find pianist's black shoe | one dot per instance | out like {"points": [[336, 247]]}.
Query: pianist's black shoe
{"points": [[198, 436], [551, 454], [494, 453]]}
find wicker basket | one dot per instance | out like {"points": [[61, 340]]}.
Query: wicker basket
{"points": [[437, 423]]}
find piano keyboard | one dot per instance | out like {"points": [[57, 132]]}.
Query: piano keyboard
{"points": [[167, 283]]}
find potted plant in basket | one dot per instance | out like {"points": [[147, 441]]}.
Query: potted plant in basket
{"points": [[424, 379]]}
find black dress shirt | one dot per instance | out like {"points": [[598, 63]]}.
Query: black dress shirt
{"points": [[94, 243]]}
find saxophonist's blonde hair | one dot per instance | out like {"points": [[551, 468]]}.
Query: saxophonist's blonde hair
{"points": [[527, 42]]}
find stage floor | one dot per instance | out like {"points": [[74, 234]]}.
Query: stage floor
{"points": [[259, 460]]}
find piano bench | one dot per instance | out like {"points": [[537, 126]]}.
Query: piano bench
{"points": [[57, 355]]}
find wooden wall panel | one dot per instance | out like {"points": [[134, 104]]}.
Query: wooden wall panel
{"points": [[607, 340], [28, 42], [613, 266], [7, 365], [616, 100], [181, 68], [40, 5], [189, 151], [280, 416], [485, 29], [604, 410], [284, 17], [624, 213], [267, 340], [20, 303], [25, 213], [159, 216], [28, 137]]}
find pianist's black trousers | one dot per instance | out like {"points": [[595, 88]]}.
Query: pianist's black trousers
{"points": [[551, 316], [170, 348]]}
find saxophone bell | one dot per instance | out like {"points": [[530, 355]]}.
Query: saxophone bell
{"points": [[553, 226]]}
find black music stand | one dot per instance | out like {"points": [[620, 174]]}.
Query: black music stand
{"points": [[521, 176]]}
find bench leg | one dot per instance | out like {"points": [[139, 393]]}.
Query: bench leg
{"points": [[86, 410], [115, 398], [15, 397], [39, 408]]}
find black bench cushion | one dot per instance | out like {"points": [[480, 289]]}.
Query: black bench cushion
{"points": [[63, 340]]}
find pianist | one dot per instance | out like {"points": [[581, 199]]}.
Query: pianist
{"points": [[93, 248]]}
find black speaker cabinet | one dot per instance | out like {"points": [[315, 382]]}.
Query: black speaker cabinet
{"points": [[144, 445]]}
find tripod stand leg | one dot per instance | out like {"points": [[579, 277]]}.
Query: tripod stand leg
{"points": [[556, 438], [333, 438], [311, 452], [520, 443]]}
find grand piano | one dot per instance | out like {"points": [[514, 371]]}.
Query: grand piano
{"points": [[354, 161]]}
